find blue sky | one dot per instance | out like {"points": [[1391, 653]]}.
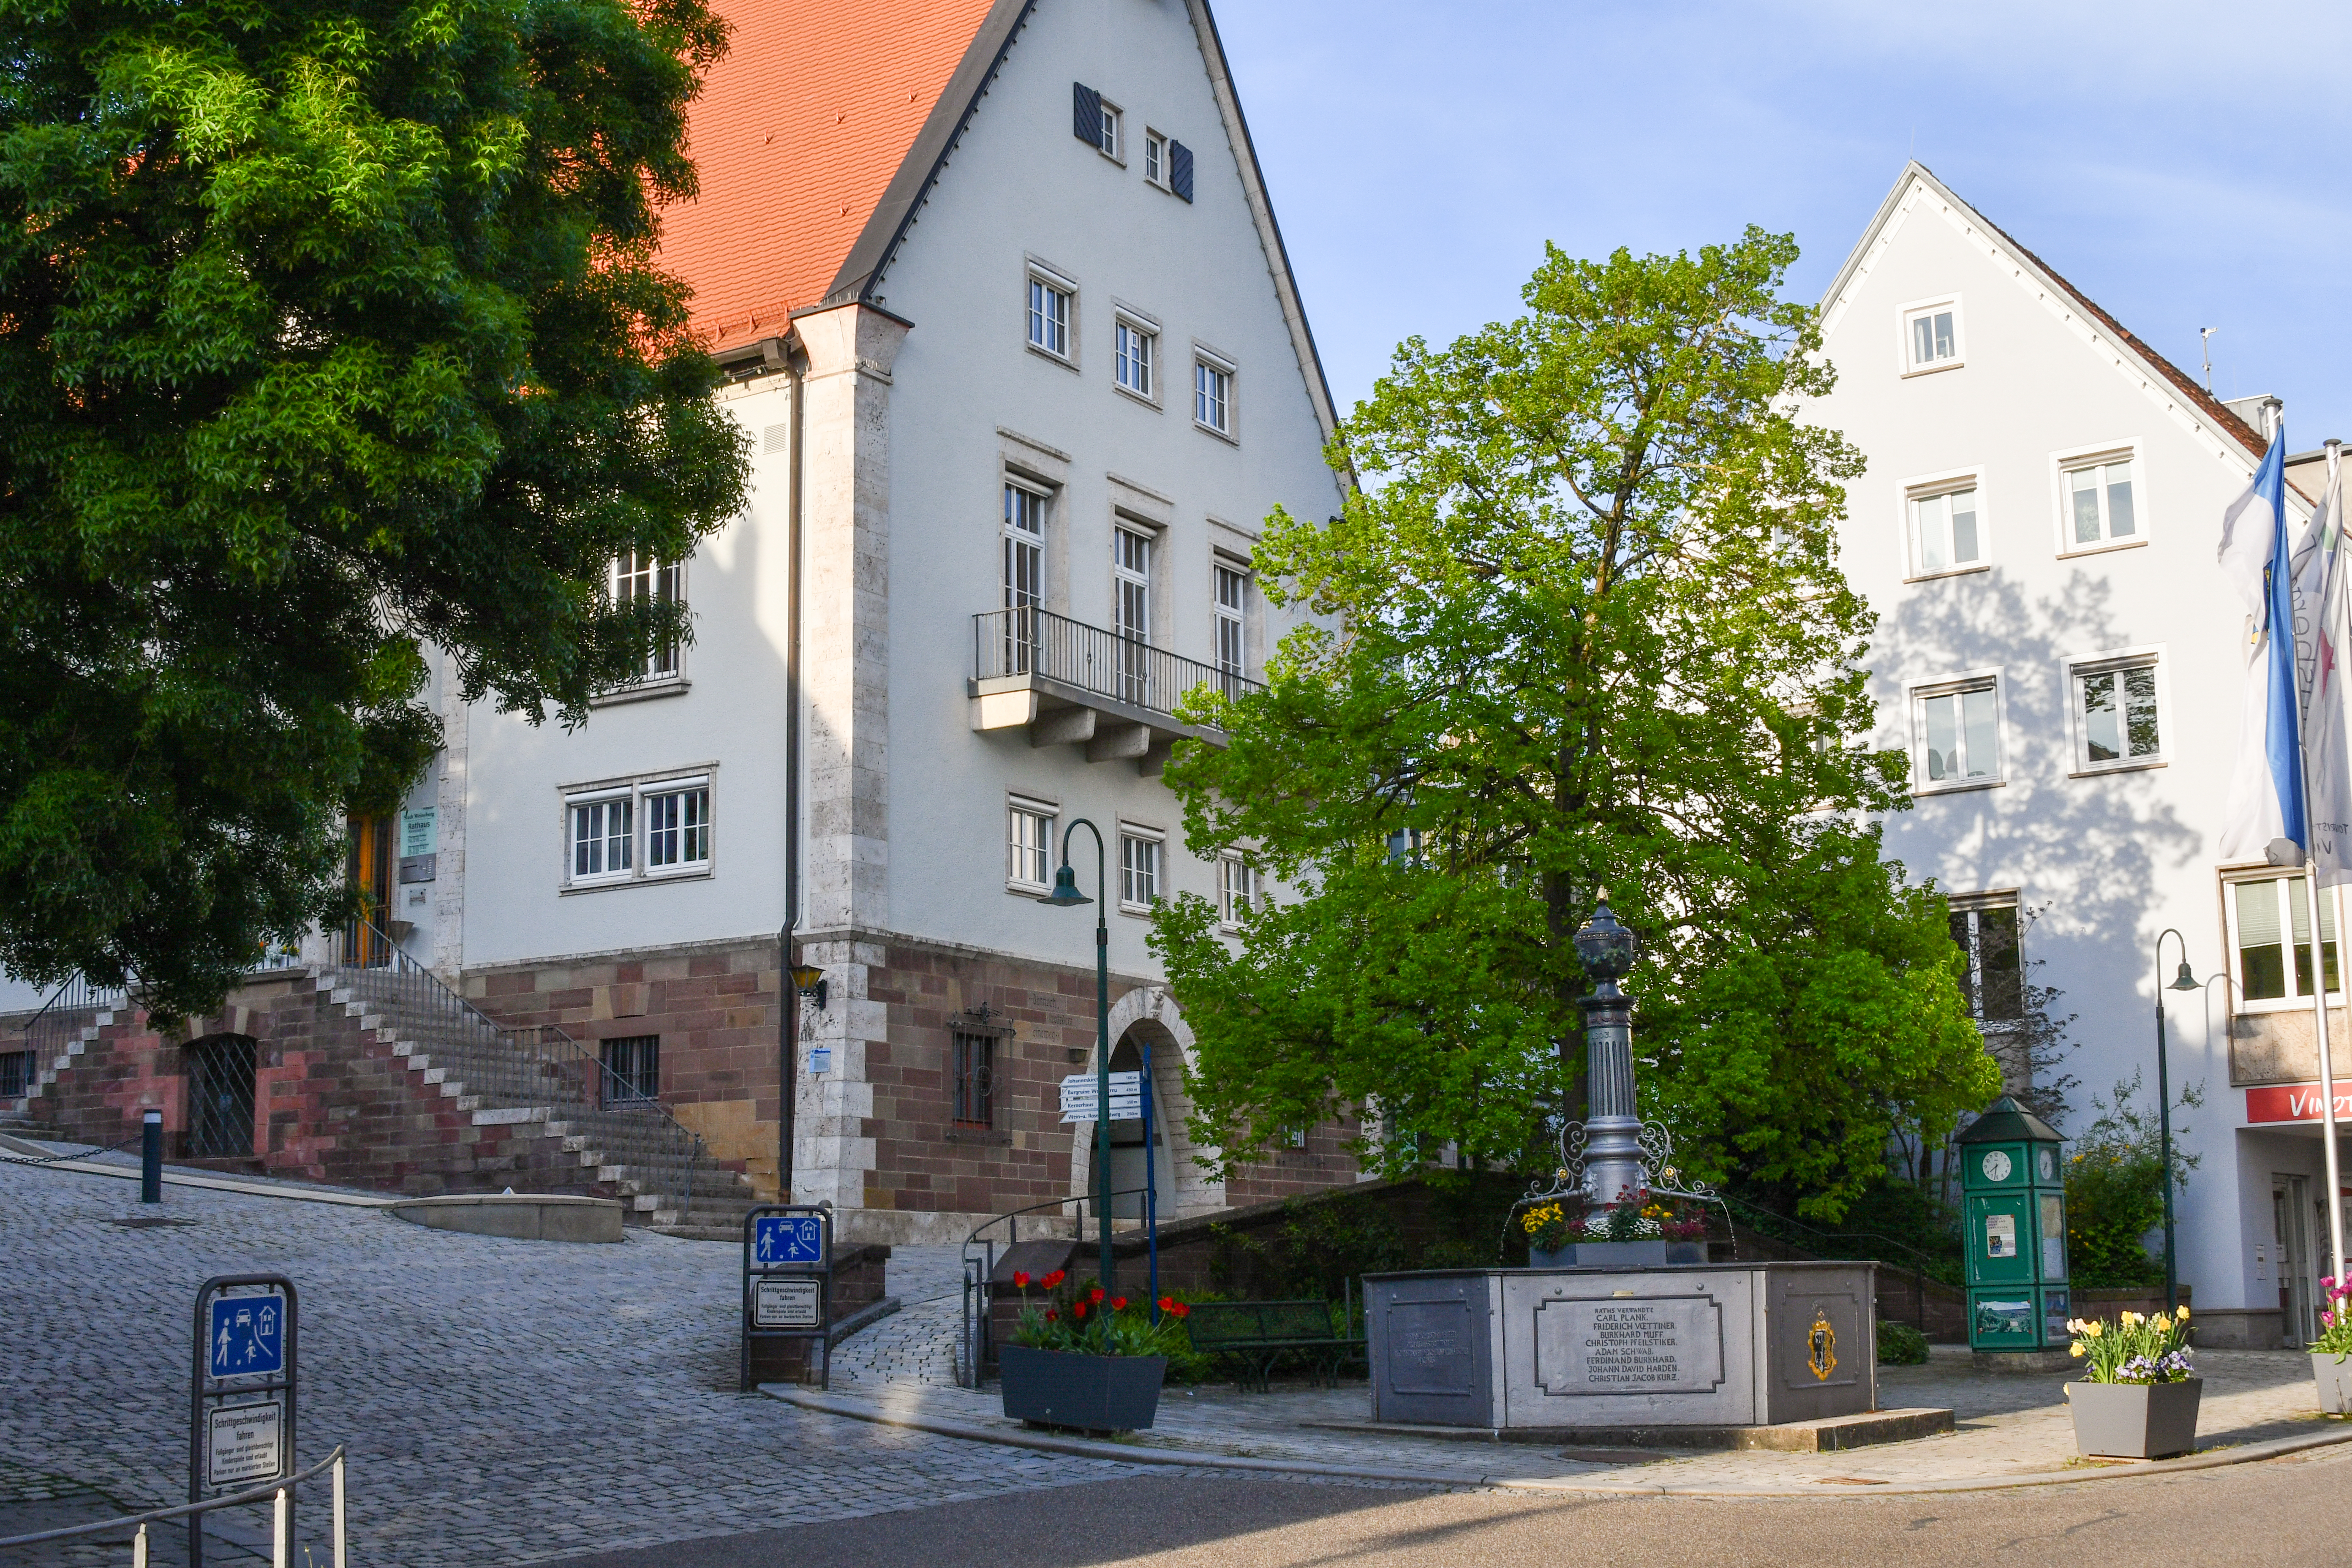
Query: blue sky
{"points": [[2182, 166]]}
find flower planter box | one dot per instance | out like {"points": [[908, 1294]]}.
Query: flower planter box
{"points": [[1095, 1392], [2333, 1373], [2134, 1420]]}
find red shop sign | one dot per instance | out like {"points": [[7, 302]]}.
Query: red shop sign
{"points": [[2296, 1102]]}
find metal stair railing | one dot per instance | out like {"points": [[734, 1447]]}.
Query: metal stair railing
{"points": [[71, 1008], [974, 1349], [531, 1067]]}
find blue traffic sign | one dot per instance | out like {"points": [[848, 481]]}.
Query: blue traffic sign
{"points": [[789, 1238], [247, 1335]]}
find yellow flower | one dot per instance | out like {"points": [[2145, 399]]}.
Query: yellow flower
{"points": [[2094, 1328], [2131, 1320], [2183, 1315], [2074, 1349]]}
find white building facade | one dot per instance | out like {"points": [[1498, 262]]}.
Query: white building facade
{"points": [[1032, 406], [2061, 659]]}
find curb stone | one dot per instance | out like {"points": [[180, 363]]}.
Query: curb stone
{"points": [[1090, 1449]]}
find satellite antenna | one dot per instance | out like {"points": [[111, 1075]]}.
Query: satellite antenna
{"points": [[2207, 333]]}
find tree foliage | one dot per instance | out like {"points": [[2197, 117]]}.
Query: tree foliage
{"points": [[330, 331], [1581, 629]]}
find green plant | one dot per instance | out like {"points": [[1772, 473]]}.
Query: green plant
{"points": [[1085, 1319], [2133, 1348], [1900, 1344], [2114, 1190]]}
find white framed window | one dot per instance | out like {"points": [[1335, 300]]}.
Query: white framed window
{"points": [[1155, 158], [1138, 867], [1131, 570], [632, 831], [1109, 143], [2100, 504], [1237, 888], [1231, 585], [1932, 335], [638, 575], [1029, 844], [1135, 349], [1985, 928], [1945, 519], [1955, 734], [677, 827], [2269, 917], [1049, 313], [2118, 715], [602, 839], [1212, 396]]}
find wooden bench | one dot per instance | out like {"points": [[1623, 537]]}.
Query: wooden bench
{"points": [[1252, 1335]]}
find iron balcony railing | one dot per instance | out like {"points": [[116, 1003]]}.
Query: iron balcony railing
{"points": [[534, 1067], [1031, 641]]}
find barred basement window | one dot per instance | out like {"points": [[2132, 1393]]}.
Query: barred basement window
{"points": [[632, 1070], [975, 1079], [220, 1098]]}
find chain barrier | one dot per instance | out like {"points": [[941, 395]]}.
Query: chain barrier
{"points": [[69, 1154]]}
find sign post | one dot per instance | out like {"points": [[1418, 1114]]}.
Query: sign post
{"points": [[241, 1390], [788, 1278]]}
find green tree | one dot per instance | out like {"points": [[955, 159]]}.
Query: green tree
{"points": [[1581, 628], [330, 331]]}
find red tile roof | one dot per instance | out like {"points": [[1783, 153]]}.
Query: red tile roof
{"points": [[796, 135]]}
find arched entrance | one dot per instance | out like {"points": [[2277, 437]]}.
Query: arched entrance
{"points": [[1141, 1017], [220, 1097]]}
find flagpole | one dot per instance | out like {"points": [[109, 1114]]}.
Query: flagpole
{"points": [[2311, 886]]}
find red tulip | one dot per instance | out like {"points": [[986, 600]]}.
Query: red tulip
{"points": [[1167, 1303], [1118, 1303], [1051, 1281], [1021, 1279], [1052, 1316], [1077, 1308], [1096, 1295]]}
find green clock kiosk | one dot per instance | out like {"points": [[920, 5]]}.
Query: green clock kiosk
{"points": [[2013, 1186]]}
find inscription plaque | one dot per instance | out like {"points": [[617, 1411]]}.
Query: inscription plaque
{"points": [[1429, 1348], [1654, 1345]]}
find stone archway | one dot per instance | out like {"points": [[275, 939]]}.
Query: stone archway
{"points": [[1148, 1013]]}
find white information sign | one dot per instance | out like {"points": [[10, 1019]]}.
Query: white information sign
{"points": [[787, 1304], [2001, 1235], [1126, 1097], [244, 1444]]}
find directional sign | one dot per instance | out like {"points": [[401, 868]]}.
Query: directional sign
{"points": [[1126, 1097], [244, 1443], [788, 1303], [247, 1335], [789, 1238]]}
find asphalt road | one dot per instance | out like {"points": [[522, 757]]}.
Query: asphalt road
{"points": [[2287, 1511]]}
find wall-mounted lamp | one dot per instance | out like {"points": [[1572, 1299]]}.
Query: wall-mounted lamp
{"points": [[809, 981]]}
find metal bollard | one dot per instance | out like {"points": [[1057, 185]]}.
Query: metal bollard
{"points": [[139, 1549], [339, 1560], [151, 1158], [280, 1548]]}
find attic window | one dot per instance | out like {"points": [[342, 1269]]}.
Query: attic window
{"points": [[1931, 336], [1094, 122]]}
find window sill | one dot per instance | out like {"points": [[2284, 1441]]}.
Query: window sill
{"points": [[2271, 1006], [655, 879], [1934, 369], [1227, 436], [1141, 911], [1968, 571], [1027, 890], [2103, 547], [1965, 787], [1050, 357], [643, 691], [2102, 770], [1143, 397]]}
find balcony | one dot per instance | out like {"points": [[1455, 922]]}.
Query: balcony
{"points": [[1068, 683]]}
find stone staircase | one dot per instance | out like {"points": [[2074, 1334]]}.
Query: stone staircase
{"points": [[541, 1088]]}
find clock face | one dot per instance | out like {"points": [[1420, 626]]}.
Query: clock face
{"points": [[1996, 1166], [2047, 1164]]}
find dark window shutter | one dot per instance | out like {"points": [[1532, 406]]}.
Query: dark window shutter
{"points": [[1086, 114], [1180, 168]]}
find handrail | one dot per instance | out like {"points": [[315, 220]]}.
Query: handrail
{"points": [[522, 1066], [258, 1494], [1028, 640], [76, 995], [979, 1285]]}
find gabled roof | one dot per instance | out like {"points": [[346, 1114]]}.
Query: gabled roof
{"points": [[2203, 407], [820, 132]]}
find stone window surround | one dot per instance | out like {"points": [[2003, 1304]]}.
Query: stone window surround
{"points": [[634, 787]]}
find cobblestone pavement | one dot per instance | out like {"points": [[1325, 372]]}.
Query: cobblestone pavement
{"points": [[502, 1401], [2007, 1425]]}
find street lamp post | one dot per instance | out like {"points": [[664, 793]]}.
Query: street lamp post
{"points": [[2184, 981], [1066, 895]]}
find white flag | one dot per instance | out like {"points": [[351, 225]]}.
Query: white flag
{"points": [[2322, 594], [2265, 819]]}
